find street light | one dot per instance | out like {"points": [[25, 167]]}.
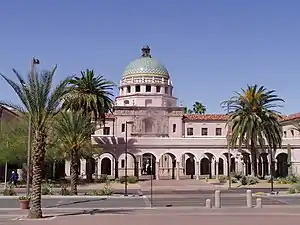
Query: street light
{"points": [[34, 62]]}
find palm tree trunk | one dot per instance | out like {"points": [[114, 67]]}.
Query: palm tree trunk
{"points": [[253, 160], [38, 154], [74, 171]]}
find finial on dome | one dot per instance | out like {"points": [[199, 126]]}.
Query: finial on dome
{"points": [[146, 51]]}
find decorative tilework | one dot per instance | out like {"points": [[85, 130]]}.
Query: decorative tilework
{"points": [[146, 65]]}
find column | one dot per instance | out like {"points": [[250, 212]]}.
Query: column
{"points": [[140, 166], [67, 168], [99, 167], [197, 170], [83, 168], [225, 167], [213, 170], [177, 171], [245, 169], [217, 170], [157, 171]]}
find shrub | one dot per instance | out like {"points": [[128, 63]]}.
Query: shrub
{"points": [[292, 179], [24, 198], [103, 178], [234, 180], [130, 179], [237, 175], [9, 191], [252, 180], [295, 188], [64, 191], [244, 180], [222, 179], [107, 190], [47, 189]]}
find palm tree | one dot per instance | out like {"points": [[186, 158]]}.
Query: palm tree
{"points": [[73, 132], [91, 95], [199, 108], [254, 119], [41, 103], [187, 110]]}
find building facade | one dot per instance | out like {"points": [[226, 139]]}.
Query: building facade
{"points": [[162, 140]]}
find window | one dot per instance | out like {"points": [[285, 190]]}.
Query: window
{"points": [[126, 102], [148, 88], [174, 128], [292, 132], [138, 88], [106, 130], [157, 89], [128, 89], [204, 131], [166, 90], [190, 131], [123, 127], [284, 134], [218, 131], [122, 163]]}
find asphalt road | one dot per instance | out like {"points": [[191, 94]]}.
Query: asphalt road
{"points": [[227, 200]]}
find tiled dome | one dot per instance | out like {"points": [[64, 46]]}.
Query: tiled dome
{"points": [[146, 65]]}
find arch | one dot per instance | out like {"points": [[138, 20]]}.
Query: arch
{"points": [[149, 164], [149, 125], [205, 166], [263, 164], [106, 166], [113, 164], [247, 162], [131, 166], [232, 162], [167, 164], [282, 165], [210, 155], [189, 164]]}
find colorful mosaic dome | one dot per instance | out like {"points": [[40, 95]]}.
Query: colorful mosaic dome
{"points": [[146, 65]]}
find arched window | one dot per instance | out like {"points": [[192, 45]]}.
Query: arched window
{"points": [[148, 125]]}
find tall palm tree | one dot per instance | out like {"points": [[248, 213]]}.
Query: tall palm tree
{"points": [[187, 110], [91, 95], [73, 132], [254, 119], [199, 108], [42, 103]]}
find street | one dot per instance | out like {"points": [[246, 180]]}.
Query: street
{"points": [[167, 200]]}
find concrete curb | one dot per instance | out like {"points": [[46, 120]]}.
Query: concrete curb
{"points": [[76, 197]]}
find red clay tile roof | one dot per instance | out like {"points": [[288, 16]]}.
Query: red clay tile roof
{"points": [[205, 117], [215, 117]]}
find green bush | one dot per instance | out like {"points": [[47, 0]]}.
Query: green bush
{"points": [[65, 191], [222, 179], [293, 179], [103, 178], [47, 189], [244, 180], [295, 188], [237, 175], [234, 180], [252, 180], [9, 191], [107, 190], [130, 179]]}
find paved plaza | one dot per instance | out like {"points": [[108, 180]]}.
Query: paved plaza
{"points": [[178, 216]]}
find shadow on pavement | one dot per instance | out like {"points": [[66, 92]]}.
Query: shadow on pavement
{"points": [[97, 211], [75, 202]]}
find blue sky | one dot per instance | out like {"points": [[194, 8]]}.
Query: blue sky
{"points": [[210, 47]]}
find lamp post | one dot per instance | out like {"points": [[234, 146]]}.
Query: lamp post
{"points": [[34, 62], [151, 182], [272, 171], [229, 154]]}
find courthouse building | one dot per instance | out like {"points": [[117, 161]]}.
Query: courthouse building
{"points": [[179, 145]]}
